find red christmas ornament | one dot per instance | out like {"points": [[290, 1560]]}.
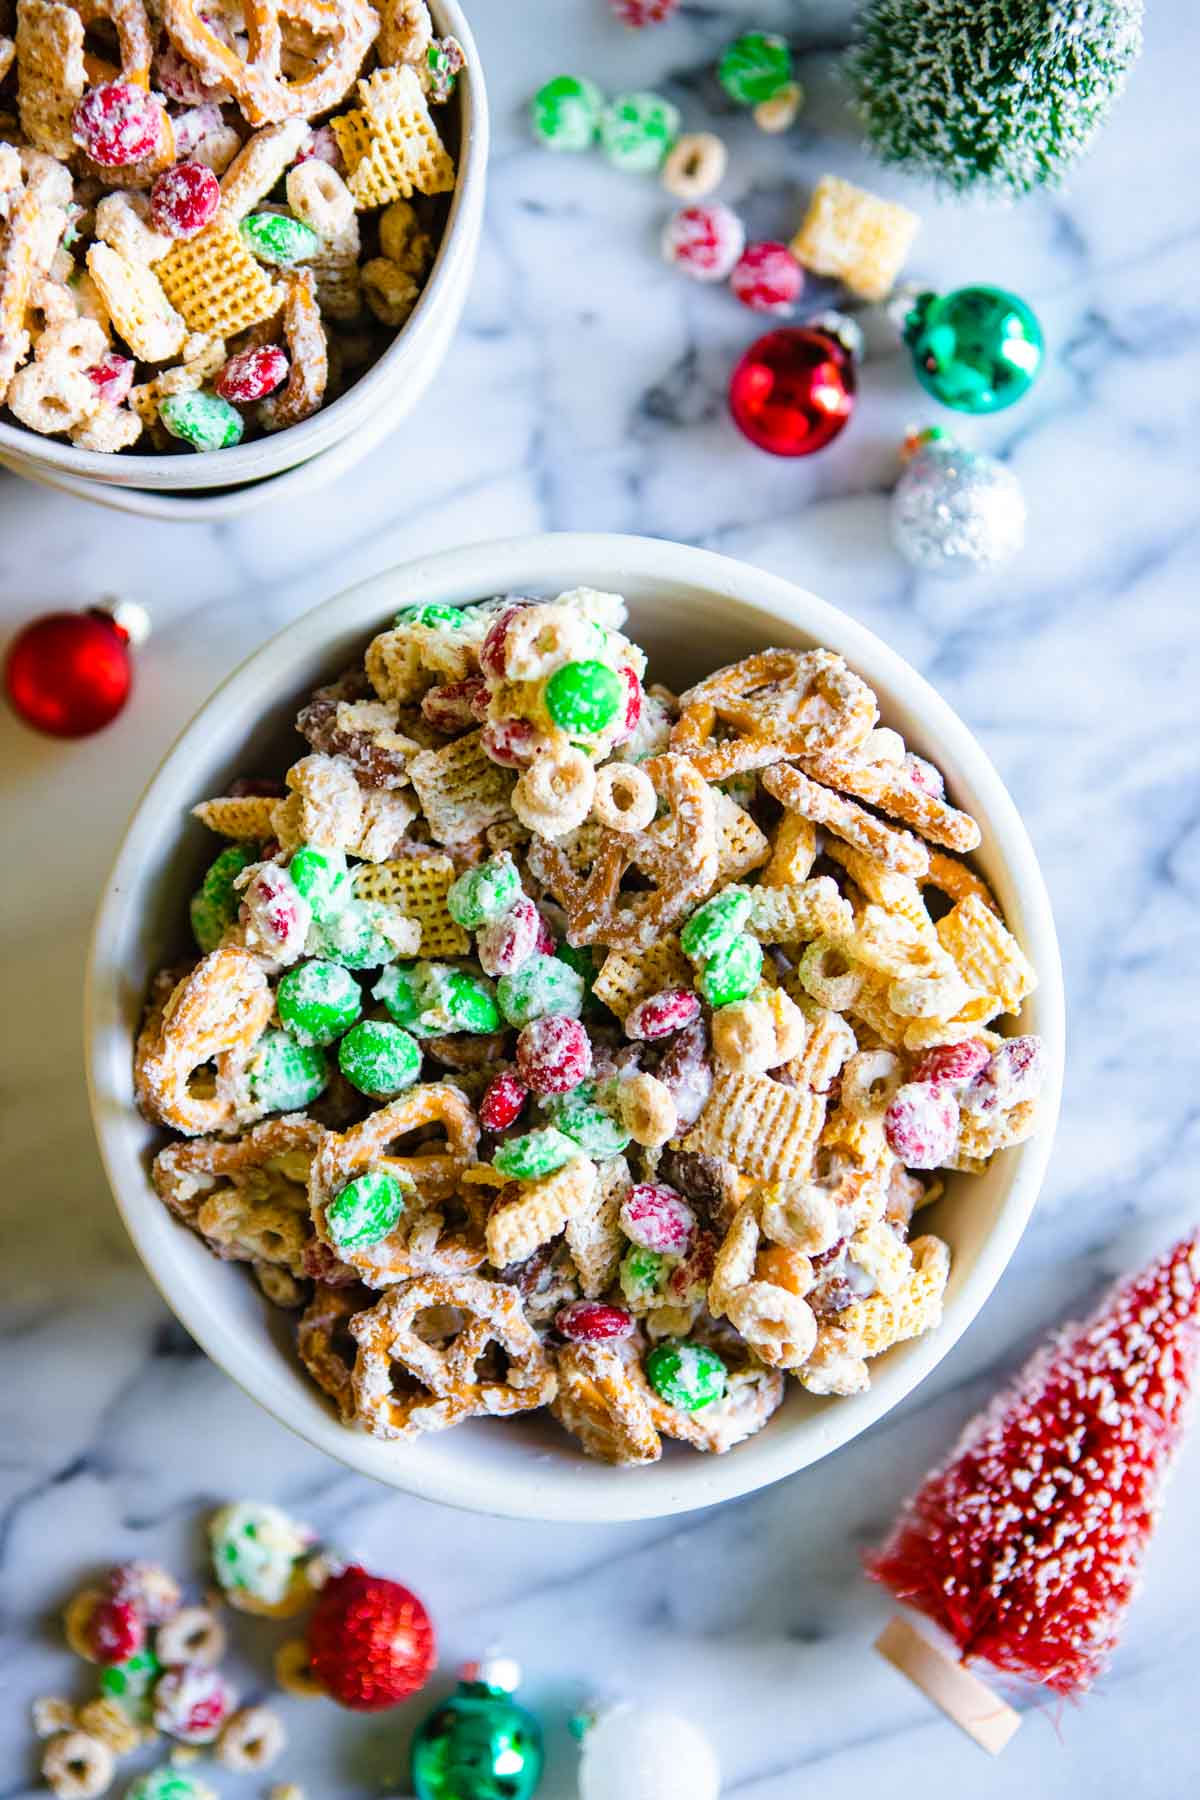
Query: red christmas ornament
{"points": [[69, 674], [370, 1641], [793, 390], [1025, 1548]]}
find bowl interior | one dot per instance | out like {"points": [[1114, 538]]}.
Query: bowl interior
{"points": [[691, 611]]}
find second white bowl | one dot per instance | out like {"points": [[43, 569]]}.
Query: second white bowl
{"points": [[692, 611]]}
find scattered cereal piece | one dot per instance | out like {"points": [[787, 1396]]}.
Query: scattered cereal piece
{"points": [[251, 1740], [855, 237], [695, 166], [77, 1766]]}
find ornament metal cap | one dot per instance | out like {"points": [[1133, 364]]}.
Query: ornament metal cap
{"points": [[130, 618], [841, 326], [906, 305], [502, 1674]]}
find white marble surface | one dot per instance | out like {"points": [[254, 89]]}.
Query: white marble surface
{"points": [[585, 390]]}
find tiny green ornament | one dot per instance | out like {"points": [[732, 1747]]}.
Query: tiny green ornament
{"points": [[278, 239], [637, 132], [480, 1744], [754, 68], [978, 349], [202, 420], [690, 1376], [584, 697], [565, 114]]}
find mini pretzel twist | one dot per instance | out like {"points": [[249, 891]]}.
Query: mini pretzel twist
{"points": [[308, 354], [781, 703], [215, 1014], [247, 1199], [444, 1385], [258, 83], [324, 1343]]}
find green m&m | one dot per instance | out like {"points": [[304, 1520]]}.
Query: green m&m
{"points": [[733, 973], [641, 1274], [285, 1076], [637, 131], [543, 986], [455, 1001], [581, 1116], [379, 1059], [565, 114], [166, 1783], [713, 926], [686, 1375], [318, 1001], [365, 1210], [356, 935], [537, 1153], [433, 615], [214, 905], [202, 420], [130, 1682], [401, 988], [484, 893], [584, 697], [754, 68], [278, 239], [322, 877]]}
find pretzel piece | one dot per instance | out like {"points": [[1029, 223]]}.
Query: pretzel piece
{"points": [[215, 1014], [247, 1199], [897, 850], [888, 786], [444, 1384], [781, 703], [605, 1402], [266, 95], [324, 1343], [303, 393]]}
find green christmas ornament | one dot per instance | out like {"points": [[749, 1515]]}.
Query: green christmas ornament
{"points": [[479, 1744], [978, 349], [990, 95]]}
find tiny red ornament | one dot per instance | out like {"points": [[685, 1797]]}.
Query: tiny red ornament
{"points": [[1026, 1546], [793, 391], [370, 1641], [69, 674]]}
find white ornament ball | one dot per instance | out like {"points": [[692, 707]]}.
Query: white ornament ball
{"points": [[632, 1753], [956, 512]]}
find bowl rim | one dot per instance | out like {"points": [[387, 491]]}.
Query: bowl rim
{"points": [[563, 560], [254, 462]]}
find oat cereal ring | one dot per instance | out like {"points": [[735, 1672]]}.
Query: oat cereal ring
{"points": [[403, 240], [783, 702], [444, 1385], [324, 1344], [897, 850], [77, 1766], [936, 996], [216, 1014], [390, 291], [257, 82], [77, 1621], [51, 395], [775, 1321], [890, 787], [308, 351], [869, 1081], [405, 31], [647, 1109], [251, 1740], [554, 794], [195, 1635], [825, 973], [696, 165], [624, 799], [602, 1401], [293, 1671], [108, 1720], [320, 198]]}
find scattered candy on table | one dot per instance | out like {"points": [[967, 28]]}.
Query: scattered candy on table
{"points": [[637, 131], [768, 279], [70, 674], [754, 68], [955, 511], [793, 391], [635, 1753], [565, 113], [479, 1744], [259, 1556], [637, 13], [977, 349], [706, 241]]}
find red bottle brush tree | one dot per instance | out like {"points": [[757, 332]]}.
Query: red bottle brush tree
{"points": [[1026, 1546]]}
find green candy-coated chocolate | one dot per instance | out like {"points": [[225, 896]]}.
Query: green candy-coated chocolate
{"points": [[256, 1549], [978, 349], [318, 1001], [401, 988], [323, 879], [537, 1153], [286, 1076], [637, 131], [204, 421], [641, 1273], [455, 1001], [584, 697], [379, 1059], [543, 986], [686, 1375], [278, 239], [166, 1783], [713, 926], [754, 68], [130, 1682], [565, 114], [366, 1209], [733, 973], [582, 1116], [434, 615], [214, 905], [483, 893], [354, 936]]}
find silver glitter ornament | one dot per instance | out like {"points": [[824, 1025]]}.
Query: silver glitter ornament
{"points": [[955, 512]]}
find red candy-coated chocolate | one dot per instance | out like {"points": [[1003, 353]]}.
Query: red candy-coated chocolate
{"points": [[456, 705], [509, 742], [633, 701], [323, 146], [953, 1064], [274, 901], [176, 77], [1025, 1547], [636, 13], [554, 1055], [492, 650], [655, 1217], [767, 278], [705, 240], [320, 1264], [505, 945], [1015, 1073], [112, 377], [924, 775], [117, 124], [661, 1014], [114, 1631], [921, 1124], [192, 1702], [591, 1322], [503, 1101], [370, 1641], [184, 199], [147, 1587], [193, 126], [252, 374], [546, 944]]}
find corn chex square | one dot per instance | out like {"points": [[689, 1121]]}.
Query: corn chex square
{"points": [[418, 885], [215, 284], [763, 1128], [461, 790], [627, 977]]}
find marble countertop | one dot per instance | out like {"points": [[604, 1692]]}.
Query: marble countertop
{"points": [[585, 391]]}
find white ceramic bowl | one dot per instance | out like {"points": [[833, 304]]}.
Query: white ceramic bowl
{"points": [[373, 405], [692, 611]]}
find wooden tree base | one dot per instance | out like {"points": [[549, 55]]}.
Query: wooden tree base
{"points": [[969, 1702]]}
